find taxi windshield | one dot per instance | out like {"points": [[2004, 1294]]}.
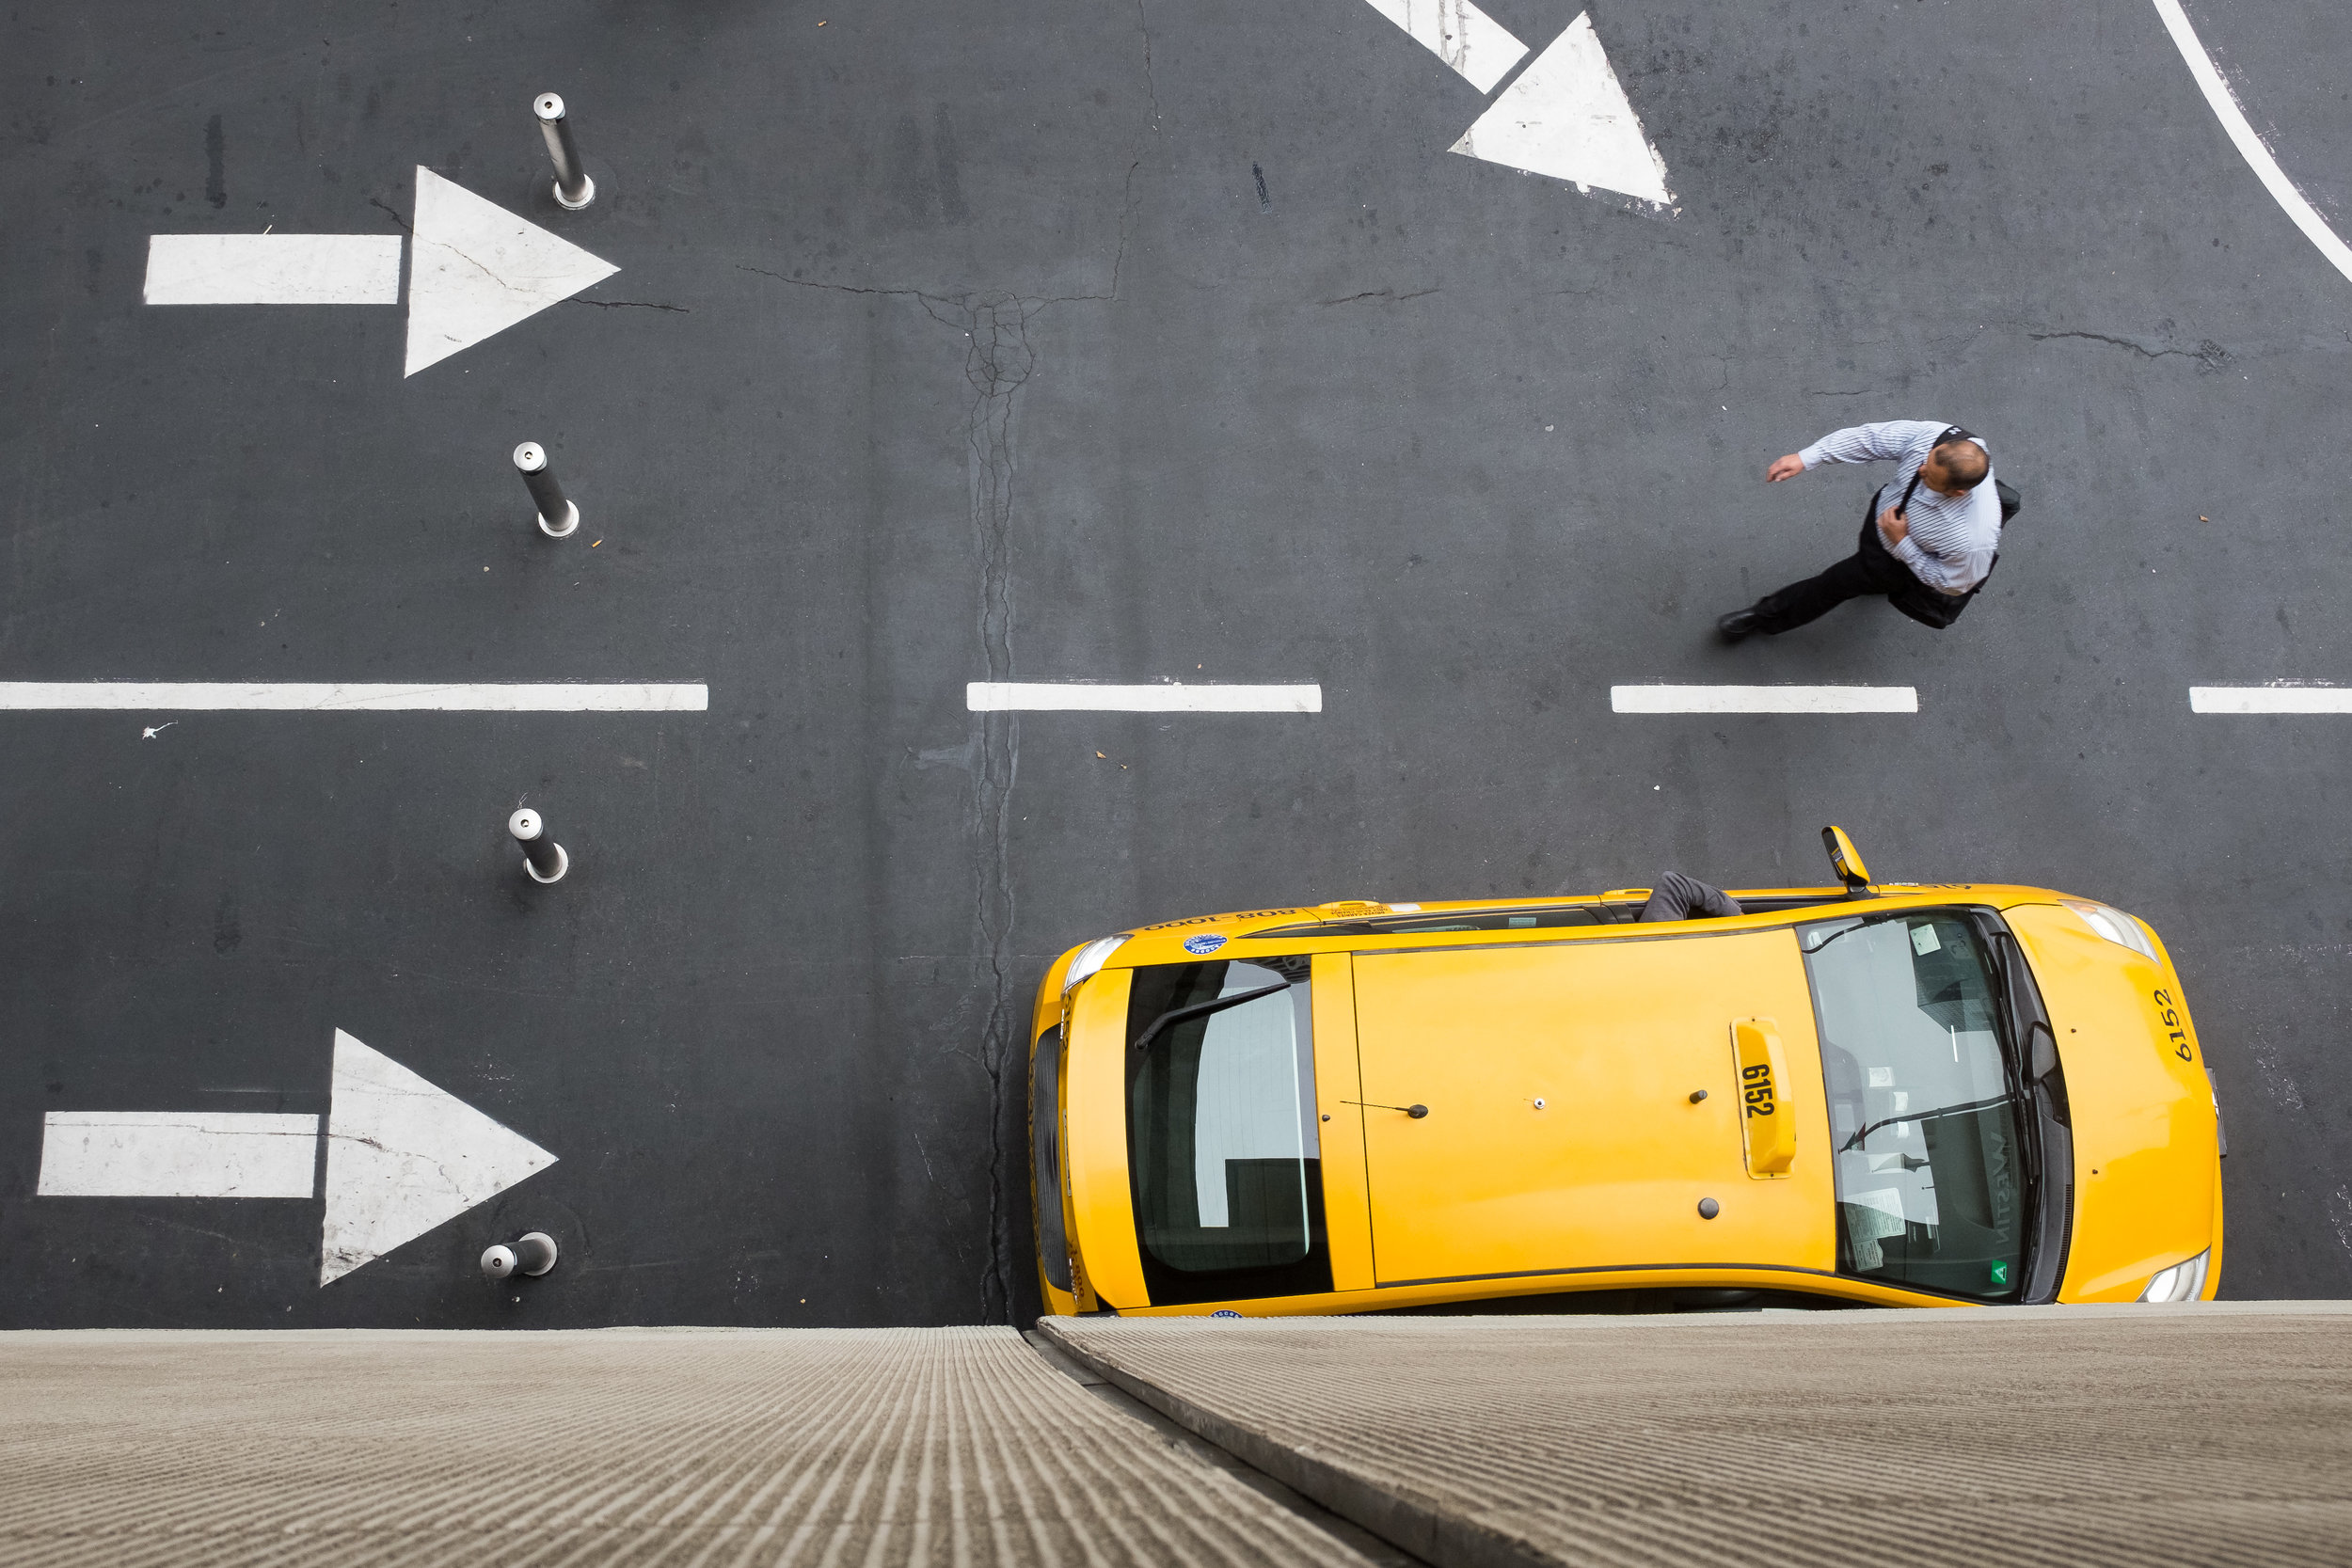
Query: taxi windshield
{"points": [[1224, 1157], [1924, 1116]]}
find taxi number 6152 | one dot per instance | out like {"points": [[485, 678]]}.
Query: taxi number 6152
{"points": [[1755, 1082], [2169, 1013]]}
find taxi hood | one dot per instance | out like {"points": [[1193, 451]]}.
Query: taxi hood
{"points": [[2146, 1146]]}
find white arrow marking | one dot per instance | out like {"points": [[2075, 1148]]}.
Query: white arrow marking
{"points": [[403, 1156], [273, 269], [178, 1154], [474, 269], [1461, 34], [1567, 117], [477, 269]]}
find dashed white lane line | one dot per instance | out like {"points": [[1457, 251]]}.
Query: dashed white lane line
{"points": [[1080, 696], [346, 696], [2249, 146], [273, 269], [178, 1154], [1764, 699], [1461, 34], [2270, 699]]}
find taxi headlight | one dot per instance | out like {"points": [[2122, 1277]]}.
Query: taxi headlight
{"points": [[1091, 957], [2181, 1282], [2114, 924]]}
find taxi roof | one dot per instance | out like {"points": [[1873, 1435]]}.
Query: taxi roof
{"points": [[1359, 925]]}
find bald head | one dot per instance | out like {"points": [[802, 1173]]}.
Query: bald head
{"points": [[1955, 467]]}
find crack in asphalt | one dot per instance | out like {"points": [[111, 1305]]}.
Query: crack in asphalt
{"points": [[377, 202], [999, 360], [837, 288], [2209, 354], [1388, 296], [1151, 86], [998, 363], [628, 304], [416, 245]]}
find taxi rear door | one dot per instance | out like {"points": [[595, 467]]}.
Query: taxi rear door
{"points": [[1560, 1132]]}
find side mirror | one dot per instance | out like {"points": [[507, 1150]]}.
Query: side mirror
{"points": [[1846, 861], [2045, 1052]]}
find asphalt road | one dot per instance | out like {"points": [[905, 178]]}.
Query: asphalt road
{"points": [[1129, 343]]}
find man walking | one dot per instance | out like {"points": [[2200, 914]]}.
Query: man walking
{"points": [[1928, 537]]}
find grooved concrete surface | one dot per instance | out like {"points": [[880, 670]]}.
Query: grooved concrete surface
{"points": [[2037, 1435], [687, 1446]]}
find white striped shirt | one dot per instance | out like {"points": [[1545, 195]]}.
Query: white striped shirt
{"points": [[1953, 538]]}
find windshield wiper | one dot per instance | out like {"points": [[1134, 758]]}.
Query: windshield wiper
{"points": [[1937, 1114], [1198, 1010]]}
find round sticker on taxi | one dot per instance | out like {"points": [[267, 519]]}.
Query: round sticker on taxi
{"points": [[1201, 947]]}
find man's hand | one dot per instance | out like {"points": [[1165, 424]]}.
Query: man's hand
{"points": [[1785, 468], [1893, 526]]}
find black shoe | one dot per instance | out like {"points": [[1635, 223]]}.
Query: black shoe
{"points": [[1739, 624]]}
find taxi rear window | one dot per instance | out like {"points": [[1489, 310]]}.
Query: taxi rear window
{"points": [[1224, 1157]]}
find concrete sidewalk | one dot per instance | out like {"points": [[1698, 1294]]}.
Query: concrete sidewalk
{"points": [[2213, 1434], [687, 1447], [2219, 1434]]}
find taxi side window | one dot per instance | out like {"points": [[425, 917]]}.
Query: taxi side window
{"points": [[1224, 1153]]}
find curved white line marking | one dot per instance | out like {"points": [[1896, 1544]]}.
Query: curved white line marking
{"points": [[2225, 108]]}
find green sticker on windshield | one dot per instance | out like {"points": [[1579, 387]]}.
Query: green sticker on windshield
{"points": [[2000, 1271]]}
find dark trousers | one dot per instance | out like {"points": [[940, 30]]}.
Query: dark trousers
{"points": [[1871, 569]]}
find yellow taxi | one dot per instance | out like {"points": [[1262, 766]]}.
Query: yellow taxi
{"points": [[1904, 1094]]}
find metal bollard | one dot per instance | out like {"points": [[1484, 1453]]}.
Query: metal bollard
{"points": [[543, 857], [573, 188], [558, 514], [533, 1254]]}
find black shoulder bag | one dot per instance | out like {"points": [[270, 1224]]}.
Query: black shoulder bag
{"points": [[1928, 606]]}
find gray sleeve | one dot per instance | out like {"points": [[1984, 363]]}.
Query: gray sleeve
{"points": [[1882, 442], [1680, 898]]}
